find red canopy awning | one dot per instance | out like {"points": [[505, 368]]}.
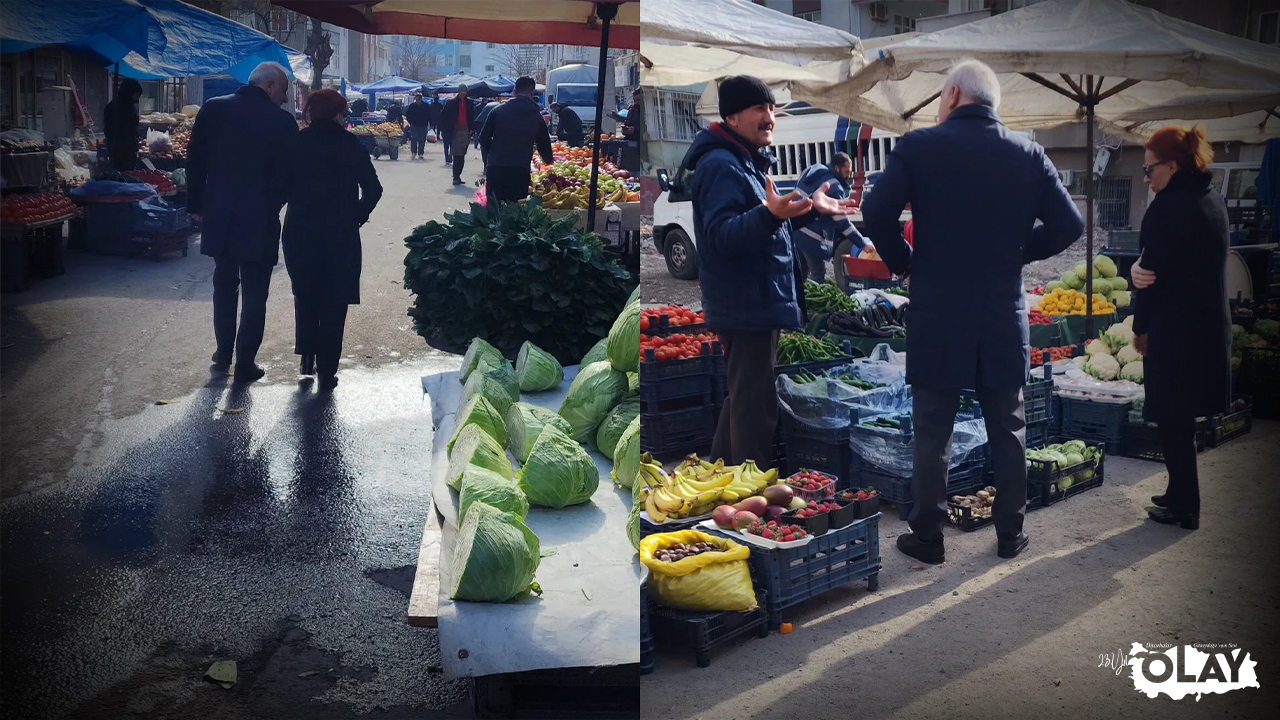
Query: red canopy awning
{"points": [[513, 22]]}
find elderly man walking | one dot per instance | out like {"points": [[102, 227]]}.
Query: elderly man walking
{"points": [[510, 134], [237, 178], [457, 123], [976, 191]]}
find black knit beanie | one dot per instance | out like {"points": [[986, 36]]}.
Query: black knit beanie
{"points": [[740, 92]]}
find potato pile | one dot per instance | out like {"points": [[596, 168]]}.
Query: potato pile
{"points": [[979, 503]]}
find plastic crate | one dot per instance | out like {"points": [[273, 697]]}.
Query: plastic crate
{"points": [[1142, 441], [1038, 434], [646, 633], [691, 387], [589, 692], [896, 488], [1046, 478], [1095, 421], [1123, 241], [162, 221], [824, 450], [1055, 415], [1036, 396], [678, 431], [660, 326], [705, 631], [710, 362], [1229, 426], [822, 493], [847, 513], [963, 518], [792, 575]]}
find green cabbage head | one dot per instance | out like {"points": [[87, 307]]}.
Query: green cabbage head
{"points": [[592, 394], [476, 449], [626, 455], [614, 424], [477, 350], [558, 473], [479, 411], [524, 424], [498, 384], [598, 353], [490, 488], [495, 557], [536, 369], [623, 343]]}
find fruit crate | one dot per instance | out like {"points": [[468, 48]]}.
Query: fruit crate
{"points": [[963, 518], [817, 525], [822, 493], [710, 362], [1038, 434], [1036, 396], [703, 631], [1123, 241], [792, 575], [660, 326], [694, 389], [677, 432], [646, 633], [1142, 441], [1095, 421], [1045, 478], [582, 692], [847, 513], [1229, 426], [824, 450], [896, 488]]}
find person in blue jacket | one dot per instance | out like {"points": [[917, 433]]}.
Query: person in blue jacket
{"points": [[976, 190], [747, 269], [818, 238]]}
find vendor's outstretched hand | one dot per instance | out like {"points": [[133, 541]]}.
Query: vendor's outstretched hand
{"points": [[827, 205], [785, 207]]}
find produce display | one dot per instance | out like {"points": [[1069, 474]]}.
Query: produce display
{"points": [[536, 369], [1066, 456], [697, 487], [1063, 352], [809, 481], [1111, 356], [1266, 333], [680, 551], [558, 472], [767, 508], [674, 347], [567, 185], [677, 316], [592, 394], [827, 297], [775, 531], [386, 129], [512, 274], [1066, 296], [1072, 302], [35, 207], [815, 508], [879, 320], [796, 348], [1035, 317], [155, 178], [979, 504], [495, 557]]}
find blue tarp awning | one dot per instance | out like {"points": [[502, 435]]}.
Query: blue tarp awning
{"points": [[450, 83], [392, 84], [499, 84]]}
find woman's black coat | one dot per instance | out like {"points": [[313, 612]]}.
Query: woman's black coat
{"points": [[1184, 314], [333, 190]]}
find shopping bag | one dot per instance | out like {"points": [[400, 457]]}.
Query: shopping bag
{"points": [[709, 582], [482, 196], [431, 136]]}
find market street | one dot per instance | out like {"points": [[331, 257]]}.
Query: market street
{"points": [[143, 542]]}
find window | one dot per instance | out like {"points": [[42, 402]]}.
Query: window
{"points": [[675, 115], [464, 61], [972, 5], [814, 16], [465, 43], [1113, 202], [903, 24], [1269, 27], [491, 45], [488, 68]]}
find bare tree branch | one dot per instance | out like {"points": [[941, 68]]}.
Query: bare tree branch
{"points": [[414, 57], [517, 60]]}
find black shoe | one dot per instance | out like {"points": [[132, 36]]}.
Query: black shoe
{"points": [[248, 373], [1160, 501], [328, 382], [926, 552], [1009, 547], [1164, 516], [308, 365], [221, 363], [458, 181]]}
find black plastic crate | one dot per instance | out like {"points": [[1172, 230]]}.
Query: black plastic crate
{"points": [[45, 259], [1095, 422], [711, 362], [792, 575], [963, 518], [1038, 434], [164, 221], [587, 692], [646, 633], [1037, 396], [682, 388], [660, 326], [896, 488], [1229, 426], [1046, 478], [1260, 378], [1142, 441], [702, 632], [1123, 241], [825, 450], [678, 431]]}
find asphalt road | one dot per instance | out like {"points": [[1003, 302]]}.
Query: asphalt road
{"points": [[142, 542]]}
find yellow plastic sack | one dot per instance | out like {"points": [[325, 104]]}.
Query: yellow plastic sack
{"points": [[708, 582]]}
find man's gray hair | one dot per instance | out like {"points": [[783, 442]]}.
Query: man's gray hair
{"points": [[977, 82], [268, 72]]}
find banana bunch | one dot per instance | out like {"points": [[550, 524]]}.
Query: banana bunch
{"points": [[618, 195], [698, 486]]}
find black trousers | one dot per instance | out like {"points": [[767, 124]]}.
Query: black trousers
{"points": [[318, 328], [417, 139], [934, 411], [1178, 441], [228, 278], [506, 184], [750, 414]]}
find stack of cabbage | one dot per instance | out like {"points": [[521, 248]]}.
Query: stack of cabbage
{"points": [[1112, 356], [1065, 456], [1106, 282]]}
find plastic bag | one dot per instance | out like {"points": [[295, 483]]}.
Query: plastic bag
{"points": [[891, 450], [158, 142], [482, 197], [827, 403], [709, 582]]}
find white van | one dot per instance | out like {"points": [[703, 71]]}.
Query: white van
{"points": [[803, 136]]}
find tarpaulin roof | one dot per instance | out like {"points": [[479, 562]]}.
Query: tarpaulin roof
{"points": [[1157, 69], [391, 84], [450, 83], [743, 27], [552, 22], [181, 40]]}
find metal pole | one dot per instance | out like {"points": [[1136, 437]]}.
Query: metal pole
{"points": [[1088, 203], [606, 12]]}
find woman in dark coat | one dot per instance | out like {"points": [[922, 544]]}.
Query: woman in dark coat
{"points": [[333, 191], [120, 126], [1182, 323]]}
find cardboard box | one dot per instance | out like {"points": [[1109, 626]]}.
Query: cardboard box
{"points": [[630, 215]]}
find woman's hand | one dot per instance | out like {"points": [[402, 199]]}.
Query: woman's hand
{"points": [[1140, 344], [1142, 277]]}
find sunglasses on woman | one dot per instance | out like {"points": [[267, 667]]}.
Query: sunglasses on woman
{"points": [[1146, 169]]}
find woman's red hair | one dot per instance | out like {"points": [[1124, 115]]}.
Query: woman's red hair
{"points": [[324, 104], [1185, 146]]}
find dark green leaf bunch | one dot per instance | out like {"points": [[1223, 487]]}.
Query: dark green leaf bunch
{"points": [[510, 274]]}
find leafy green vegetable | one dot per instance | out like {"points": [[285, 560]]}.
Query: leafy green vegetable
{"points": [[623, 343], [633, 383], [1268, 330], [510, 273], [477, 350], [633, 527], [495, 557], [490, 488], [480, 412], [592, 394], [524, 424], [475, 448], [598, 353], [498, 385], [615, 423], [626, 455], [536, 369], [558, 473]]}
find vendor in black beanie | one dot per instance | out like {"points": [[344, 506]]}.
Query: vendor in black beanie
{"points": [[747, 269]]}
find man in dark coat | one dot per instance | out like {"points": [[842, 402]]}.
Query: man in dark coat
{"points": [[508, 137], [976, 190], [359, 107], [120, 120], [435, 106], [457, 122], [747, 268], [818, 239], [395, 112], [568, 125], [237, 181], [419, 116]]}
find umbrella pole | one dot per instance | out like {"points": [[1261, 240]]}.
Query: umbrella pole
{"points": [[606, 12], [1088, 204]]}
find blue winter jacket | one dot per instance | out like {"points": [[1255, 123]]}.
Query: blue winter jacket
{"points": [[746, 267], [837, 229]]}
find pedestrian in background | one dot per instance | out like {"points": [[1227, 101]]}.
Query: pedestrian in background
{"points": [[1182, 321], [819, 237], [508, 138], [746, 263], [359, 107], [237, 180], [568, 125], [395, 112], [457, 121], [419, 116], [333, 191], [120, 126], [983, 226]]}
